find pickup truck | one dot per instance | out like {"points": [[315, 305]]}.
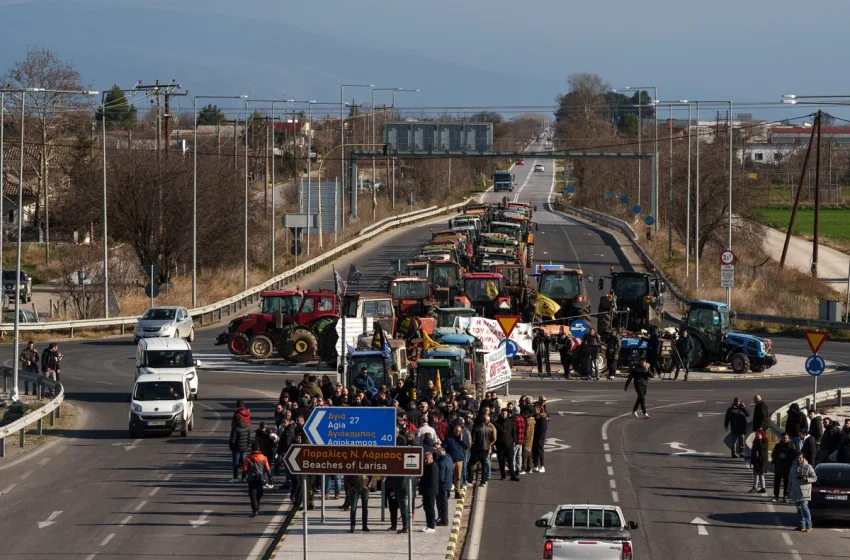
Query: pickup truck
{"points": [[586, 532]]}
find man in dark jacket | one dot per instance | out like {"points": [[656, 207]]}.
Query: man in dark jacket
{"points": [[830, 440], [612, 352], [592, 344], [398, 498], [640, 374], [761, 414], [359, 490], [793, 424], [505, 441], [736, 422], [782, 457], [652, 345], [445, 466], [429, 486], [815, 427], [50, 359], [287, 438], [565, 347], [456, 447], [240, 444], [684, 353], [540, 345], [482, 437], [267, 446], [810, 447], [538, 446]]}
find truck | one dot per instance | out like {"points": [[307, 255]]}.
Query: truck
{"points": [[503, 181], [588, 531]]}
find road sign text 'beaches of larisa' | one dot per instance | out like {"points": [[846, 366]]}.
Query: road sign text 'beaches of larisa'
{"points": [[354, 460]]}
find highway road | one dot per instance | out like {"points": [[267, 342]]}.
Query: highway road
{"points": [[95, 493]]}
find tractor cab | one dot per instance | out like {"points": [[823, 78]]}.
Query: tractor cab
{"points": [[565, 286], [628, 302], [378, 306], [446, 315], [511, 229], [410, 294], [514, 274], [378, 366], [417, 269], [429, 369], [314, 305], [459, 357], [485, 292]]}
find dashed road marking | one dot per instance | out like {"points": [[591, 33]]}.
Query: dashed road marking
{"points": [[613, 484], [26, 475], [168, 476], [140, 505], [153, 491], [615, 497], [606, 447], [44, 461], [106, 539], [610, 471], [8, 488], [787, 538], [607, 457], [125, 520], [796, 555]]}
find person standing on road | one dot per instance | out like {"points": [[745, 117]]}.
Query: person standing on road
{"points": [[736, 423], [540, 345], [267, 447], [240, 443], [287, 438], [684, 353], [398, 493], [758, 461], [241, 412], [830, 440], [565, 349], [445, 467], [505, 442], [519, 432], [456, 447], [482, 438], [800, 490], [761, 414], [810, 447], [794, 423], [640, 374], [29, 358], [652, 345], [612, 352], [429, 486], [359, 490], [782, 456], [528, 446], [815, 427], [538, 449], [50, 359], [592, 344], [256, 470]]}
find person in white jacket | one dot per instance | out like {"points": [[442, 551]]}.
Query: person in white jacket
{"points": [[800, 490]]}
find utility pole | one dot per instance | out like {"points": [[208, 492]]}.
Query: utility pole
{"points": [[817, 199], [167, 122]]}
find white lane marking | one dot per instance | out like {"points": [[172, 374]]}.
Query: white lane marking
{"points": [[168, 476], [125, 520], [153, 491], [76, 378], [91, 557], [606, 447], [552, 186], [527, 179], [787, 538], [796, 555], [615, 497], [140, 505], [770, 508], [610, 471], [202, 520], [268, 533], [702, 414], [106, 539], [607, 457], [104, 382], [687, 451], [570, 241], [50, 520], [26, 475], [610, 420], [44, 461], [8, 488], [613, 484]]}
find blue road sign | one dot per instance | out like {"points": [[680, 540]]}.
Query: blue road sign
{"points": [[624, 199], [337, 425], [511, 347], [578, 328], [636, 208], [815, 365], [649, 220], [570, 188]]}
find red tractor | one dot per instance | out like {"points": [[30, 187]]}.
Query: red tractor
{"points": [[411, 295], [486, 293], [275, 302]]}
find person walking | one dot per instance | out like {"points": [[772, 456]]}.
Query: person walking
{"points": [[528, 446], [684, 353], [538, 448], [50, 359], [540, 345], [782, 457], [761, 414], [758, 461], [256, 470], [359, 490], [736, 422], [800, 490], [29, 358], [445, 466], [429, 485], [456, 447], [612, 352], [287, 438], [640, 374], [240, 444], [267, 447], [592, 344]]}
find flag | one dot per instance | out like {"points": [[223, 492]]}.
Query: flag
{"points": [[353, 275], [379, 341], [428, 342], [491, 290], [546, 307], [349, 349], [439, 384], [340, 286]]}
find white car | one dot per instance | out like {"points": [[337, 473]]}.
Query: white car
{"points": [[165, 322], [161, 403], [539, 167], [168, 355]]}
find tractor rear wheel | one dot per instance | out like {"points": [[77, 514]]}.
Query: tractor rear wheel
{"points": [[740, 362], [603, 323], [700, 359], [238, 344], [300, 346], [757, 369], [260, 346]]}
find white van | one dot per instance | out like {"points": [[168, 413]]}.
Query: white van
{"points": [[161, 403], [168, 355]]}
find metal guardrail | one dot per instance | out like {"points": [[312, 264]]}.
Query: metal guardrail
{"points": [[797, 321], [217, 310], [52, 409], [806, 402]]}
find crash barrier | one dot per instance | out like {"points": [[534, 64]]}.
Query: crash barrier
{"points": [[52, 409], [625, 229], [806, 402], [215, 311], [615, 223]]}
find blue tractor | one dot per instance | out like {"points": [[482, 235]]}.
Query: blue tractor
{"points": [[714, 342]]}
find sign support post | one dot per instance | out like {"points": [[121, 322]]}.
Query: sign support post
{"points": [[411, 497], [304, 493], [815, 365]]}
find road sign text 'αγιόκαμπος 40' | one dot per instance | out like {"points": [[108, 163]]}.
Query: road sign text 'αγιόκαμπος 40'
{"points": [[354, 460]]}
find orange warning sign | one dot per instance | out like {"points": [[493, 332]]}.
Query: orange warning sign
{"points": [[815, 339], [507, 322]]}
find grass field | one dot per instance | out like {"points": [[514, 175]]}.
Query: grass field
{"points": [[834, 222]]}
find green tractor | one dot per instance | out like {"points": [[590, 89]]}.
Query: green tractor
{"points": [[632, 301]]}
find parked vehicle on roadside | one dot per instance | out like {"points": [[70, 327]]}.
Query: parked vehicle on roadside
{"points": [[597, 532], [9, 286]]}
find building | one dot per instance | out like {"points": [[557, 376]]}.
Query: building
{"points": [[801, 134]]}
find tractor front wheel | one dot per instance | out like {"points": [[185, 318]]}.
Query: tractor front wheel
{"points": [[238, 345], [740, 362], [260, 346], [300, 346]]}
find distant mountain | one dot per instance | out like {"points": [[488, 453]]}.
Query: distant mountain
{"points": [[215, 55]]}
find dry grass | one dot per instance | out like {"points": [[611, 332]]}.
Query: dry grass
{"points": [[32, 259]]}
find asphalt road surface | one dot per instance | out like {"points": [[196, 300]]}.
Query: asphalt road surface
{"points": [[96, 493]]}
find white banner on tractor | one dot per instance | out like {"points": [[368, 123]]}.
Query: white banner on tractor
{"points": [[354, 328], [490, 334], [496, 369]]}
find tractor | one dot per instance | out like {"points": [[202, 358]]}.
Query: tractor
{"points": [[633, 300], [564, 286], [382, 369], [428, 370], [516, 285], [444, 277], [275, 302], [445, 316], [486, 293], [411, 295], [708, 323]]}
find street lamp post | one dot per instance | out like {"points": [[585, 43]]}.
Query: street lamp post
{"points": [[245, 217], [342, 87], [654, 186], [640, 140], [195, 189]]}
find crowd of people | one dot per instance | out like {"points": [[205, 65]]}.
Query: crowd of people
{"points": [[459, 435], [808, 439]]}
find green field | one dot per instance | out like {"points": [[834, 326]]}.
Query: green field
{"points": [[834, 220]]}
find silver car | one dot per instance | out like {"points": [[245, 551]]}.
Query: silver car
{"points": [[169, 322]]}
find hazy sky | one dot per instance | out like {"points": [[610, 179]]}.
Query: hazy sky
{"points": [[751, 50]]}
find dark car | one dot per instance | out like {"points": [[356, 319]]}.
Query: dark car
{"points": [[520, 162], [831, 492]]}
